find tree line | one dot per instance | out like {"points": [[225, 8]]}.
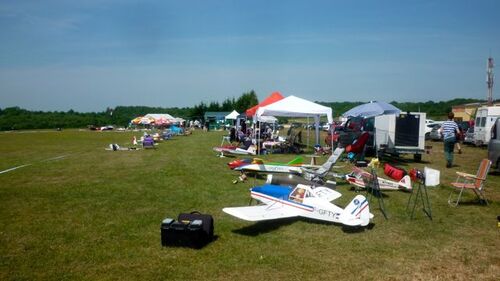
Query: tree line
{"points": [[15, 118]]}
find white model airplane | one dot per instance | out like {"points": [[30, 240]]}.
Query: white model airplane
{"points": [[304, 201], [251, 150], [116, 147], [313, 174], [360, 178]]}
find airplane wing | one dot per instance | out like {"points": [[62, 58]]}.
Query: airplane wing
{"points": [[326, 193], [261, 212]]}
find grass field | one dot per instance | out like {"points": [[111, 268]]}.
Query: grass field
{"points": [[96, 214]]}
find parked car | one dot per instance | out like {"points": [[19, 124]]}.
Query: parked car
{"points": [[463, 126], [494, 145], [429, 121], [435, 134], [428, 129], [313, 126], [469, 136], [346, 133]]}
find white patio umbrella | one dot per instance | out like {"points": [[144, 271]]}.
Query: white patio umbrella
{"points": [[371, 109]]}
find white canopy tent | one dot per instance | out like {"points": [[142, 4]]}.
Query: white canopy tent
{"points": [[293, 106], [232, 116], [158, 116], [267, 119]]}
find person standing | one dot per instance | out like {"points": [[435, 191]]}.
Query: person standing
{"points": [[449, 130]]}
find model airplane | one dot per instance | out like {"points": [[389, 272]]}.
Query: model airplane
{"points": [[313, 174], [116, 147], [232, 150], [360, 178], [302, 201], [239, 163], [259, 166]]}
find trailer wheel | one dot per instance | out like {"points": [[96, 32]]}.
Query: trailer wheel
{"points": [[417, 157]]}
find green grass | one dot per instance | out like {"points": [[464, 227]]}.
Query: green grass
{"points": [[95, 215]]}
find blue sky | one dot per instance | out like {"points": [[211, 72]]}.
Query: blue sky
{"points": [[93, 54]]}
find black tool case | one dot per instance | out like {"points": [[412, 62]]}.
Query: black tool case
{"points": [[193, 230]]}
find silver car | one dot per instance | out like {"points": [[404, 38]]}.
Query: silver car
{"points": [[469, 136], [494, 145], [435, 134]]}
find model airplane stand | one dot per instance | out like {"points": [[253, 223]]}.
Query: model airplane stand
{"points": [[373, 189], [421, 191]]}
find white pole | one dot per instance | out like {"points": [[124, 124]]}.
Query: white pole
{"points": [[316, 124], [308, 130]]}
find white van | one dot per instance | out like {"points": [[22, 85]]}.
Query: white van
{"points": [[494, 145], [485, 119]]}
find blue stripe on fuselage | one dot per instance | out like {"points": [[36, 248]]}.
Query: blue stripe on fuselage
{"points": [[279, 193], [276, 191]]}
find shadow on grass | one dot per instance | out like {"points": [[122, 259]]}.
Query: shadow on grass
{"points": [[357, 229], [268, 226], [401, 161], [264, 226], [479, 203], [345, 228], [494, 173], [367, 193], [190, 244]]}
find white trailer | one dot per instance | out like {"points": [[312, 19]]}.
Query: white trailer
{"points": [[403, 134], [485, 119]]}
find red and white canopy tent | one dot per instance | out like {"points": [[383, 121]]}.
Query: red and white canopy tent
{"points": [[272, 98]]}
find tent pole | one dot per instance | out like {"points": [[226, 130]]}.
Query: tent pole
{"points": [[316, 124], [308, 131], [258, 140]]}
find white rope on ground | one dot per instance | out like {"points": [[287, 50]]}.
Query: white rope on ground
{"points": [[12, 169], [25, 165], [56, 158]]}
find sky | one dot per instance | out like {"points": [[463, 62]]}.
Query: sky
{"points": [[93, 54]]}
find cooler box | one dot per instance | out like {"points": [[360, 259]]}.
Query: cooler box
{"points": [[193, 230], [431, 176]]}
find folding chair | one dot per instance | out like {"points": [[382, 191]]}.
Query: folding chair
{"points": [[357, 149], [472, 182], [320, 174], [148, 142]]}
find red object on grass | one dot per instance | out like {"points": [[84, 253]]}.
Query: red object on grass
{"points": [[394, 172]]}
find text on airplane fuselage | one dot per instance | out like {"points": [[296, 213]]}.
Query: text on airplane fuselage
{"points": [[327, 213]]}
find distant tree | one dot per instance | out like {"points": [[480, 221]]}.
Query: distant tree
{"points": [[246, 101], [16, 118], [214, 106], [198, 112], [228, 104]]}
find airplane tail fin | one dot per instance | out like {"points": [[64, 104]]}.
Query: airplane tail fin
{"points": [[297, 161], [357, 213], [252, 149], [405, 182], [257, 161]]}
